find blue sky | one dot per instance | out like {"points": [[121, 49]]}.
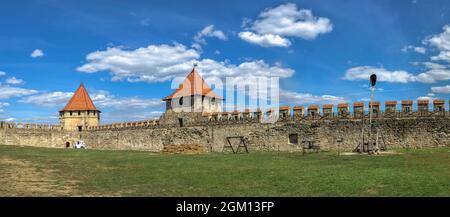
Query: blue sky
{"points": [[127, 52]]}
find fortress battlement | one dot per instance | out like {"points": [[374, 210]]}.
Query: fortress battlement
{"points": [[392, 110], [12, 125], [405, 123]]}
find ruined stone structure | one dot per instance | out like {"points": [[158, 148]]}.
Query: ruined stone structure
{"points": [[208, 127]]}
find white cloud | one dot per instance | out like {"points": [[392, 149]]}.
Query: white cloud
{"points": [[14, 80], [155, 63], [408, 48], [209, 31], [287, 20], [9, 119], [429, 97], [48, 99], [443, 55], [442, 43], [432, 75], [266, 40], [2, 105], [442, 40], [441, 89], [364, 72], [7, 92], [101, 99], [292, 97], [37, 53], [106, 100], [159, 63], [2, 73]]}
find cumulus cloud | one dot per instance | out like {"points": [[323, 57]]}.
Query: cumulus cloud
{"points": [[14, 80], [102, 99], [209, 31], [155, 63], [283, 21], [441, 89], [292, 97], [48, 99], [408, 48], [364, 72], [106, 100], [9, 119], [159, 63], [442, 43], [266, 40], [7, 92], [3, 105], [37, 53], [429, 97], [432, 75]]}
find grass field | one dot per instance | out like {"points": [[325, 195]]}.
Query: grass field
{"points": [[26, 171]]}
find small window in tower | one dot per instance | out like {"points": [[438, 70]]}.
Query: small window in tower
{"points": [[293, 138], [213, 100], [79, 113], [70, 113], [407, 109], [94, 112], [181, 101], [89, 112]]}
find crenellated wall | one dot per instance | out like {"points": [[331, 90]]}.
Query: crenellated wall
{"points": [[401, 127]]}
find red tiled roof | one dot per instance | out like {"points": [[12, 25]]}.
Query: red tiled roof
{"points": [[80, 101], [374, 104], [358, 104], [284, 108], [407, 102], [422, 102], [193, 85], [342, 105], [313, 107], [390, 103], [438, 101], [327, 106], [298, 107]]}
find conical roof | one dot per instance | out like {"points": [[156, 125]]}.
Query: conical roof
{"points": [[193, 85], [80, 101]]}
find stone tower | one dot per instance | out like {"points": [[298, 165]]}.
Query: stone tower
{"points": [[80, 112], [190, 100], [194, 95]]}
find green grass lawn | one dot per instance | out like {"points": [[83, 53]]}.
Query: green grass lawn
{"points": [[42, 172]]}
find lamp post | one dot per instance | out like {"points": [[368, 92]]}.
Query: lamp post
{"points": [[373, 81]]}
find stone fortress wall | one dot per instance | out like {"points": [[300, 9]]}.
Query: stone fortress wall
{"points": [[410, 126]]}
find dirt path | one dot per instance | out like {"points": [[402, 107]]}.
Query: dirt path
{"points": [[22, 178]]}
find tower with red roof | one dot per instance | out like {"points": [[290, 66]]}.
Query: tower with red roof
{"points": [[193, 95], [80, 112]]}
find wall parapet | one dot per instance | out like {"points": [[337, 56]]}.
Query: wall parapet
{"points": [[13, 125], [134, 124]]}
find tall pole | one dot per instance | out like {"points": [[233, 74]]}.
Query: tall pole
{"points": [[373, 81], [372, 89]]}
